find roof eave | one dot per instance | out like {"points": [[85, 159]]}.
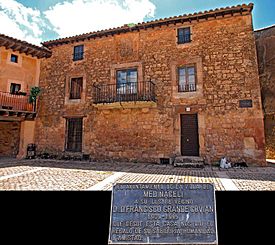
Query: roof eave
{"points": [[242, 9], [24, 47]]}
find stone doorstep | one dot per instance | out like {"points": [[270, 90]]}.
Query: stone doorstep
{"points": [[189, 162], [189, 165], [186, 159], [271, 161]]}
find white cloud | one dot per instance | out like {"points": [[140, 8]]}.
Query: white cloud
{"points": [[20, 22], [71, 17], [82, 16]]}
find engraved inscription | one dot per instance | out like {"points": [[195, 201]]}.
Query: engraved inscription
{"points": [[126, 47], [163, 213]]}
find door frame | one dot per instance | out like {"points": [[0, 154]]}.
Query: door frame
{"points": [[180, 133], [201, 130]]}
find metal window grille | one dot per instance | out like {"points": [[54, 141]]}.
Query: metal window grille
{"points": [[74, 134], [184, 35], [187, 79], [76, 88], [78, 52]]}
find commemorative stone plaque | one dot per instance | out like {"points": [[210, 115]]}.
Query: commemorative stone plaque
{"points": [[163, 214]]}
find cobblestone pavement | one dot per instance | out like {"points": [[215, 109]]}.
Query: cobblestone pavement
{"points": [[64, 175]]}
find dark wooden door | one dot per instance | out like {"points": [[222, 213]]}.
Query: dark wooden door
{"points": [[189, 135]]}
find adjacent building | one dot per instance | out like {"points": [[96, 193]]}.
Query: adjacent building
{"points": [[179, 86], [265, 41], [19, 72]]}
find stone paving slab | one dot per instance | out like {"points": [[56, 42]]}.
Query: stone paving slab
{"points": [[14, 170], [40, 174], [4, 177], [53, 179], [48, 177], [251, 181], [183, 177]]}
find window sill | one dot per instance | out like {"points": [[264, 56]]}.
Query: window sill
{"points": [[187, 95], [72, 151], [126, 105], [14, 64], [193, 91], [74, 101], [185, 45]]}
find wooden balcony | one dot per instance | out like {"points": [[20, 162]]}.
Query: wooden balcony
{"points": [[128, 92], [13, 105]]}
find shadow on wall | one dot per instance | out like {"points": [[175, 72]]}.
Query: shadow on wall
{"points": [[270, 136]]}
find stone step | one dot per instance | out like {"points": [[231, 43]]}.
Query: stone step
{"points": [[188, 159], [189, 162]]}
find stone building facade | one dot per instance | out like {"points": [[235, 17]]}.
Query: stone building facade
{"points": [[265, 42], [185, 85], [19, 72]]}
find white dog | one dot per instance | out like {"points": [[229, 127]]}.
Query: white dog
{"points": [[224, 163]]}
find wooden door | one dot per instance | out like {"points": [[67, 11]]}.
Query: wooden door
{"points": [[189, 135]]}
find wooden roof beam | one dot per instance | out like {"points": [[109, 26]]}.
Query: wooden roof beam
{"points": [[24, 50], [17, 47], [31, 51], [10, 45], [36, 53], [23, 47], [3, 42]]}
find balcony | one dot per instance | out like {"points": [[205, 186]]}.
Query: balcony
{"points": [[187, 87], [16, 105], [126, 92]]}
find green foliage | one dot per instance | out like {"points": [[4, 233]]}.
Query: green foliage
{"points": [[34, 93], [131, 24]]}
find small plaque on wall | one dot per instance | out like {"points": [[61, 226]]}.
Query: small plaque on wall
{"points": [[245, 104]]}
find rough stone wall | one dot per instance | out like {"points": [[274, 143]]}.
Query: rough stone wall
{"points": [[265, 41], [223, 50], [9, 138]]}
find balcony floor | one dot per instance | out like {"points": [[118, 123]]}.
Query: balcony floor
{"points": [[12, 115], [126, 105]]}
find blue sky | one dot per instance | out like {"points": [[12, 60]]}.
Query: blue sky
{"points": [[40, 20]]}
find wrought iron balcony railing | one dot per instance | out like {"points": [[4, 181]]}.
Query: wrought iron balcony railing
{"points": [[126, 92], [14, 102], [187, 87]]}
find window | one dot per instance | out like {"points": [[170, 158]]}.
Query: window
{"points": [[14, 58], [74, 134], [15, 88], [127, 81], [76, 88], [78, 52], [184, 35], [187, 79]]}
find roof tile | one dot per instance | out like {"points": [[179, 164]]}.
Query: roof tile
{"points": [[218, 11]]}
